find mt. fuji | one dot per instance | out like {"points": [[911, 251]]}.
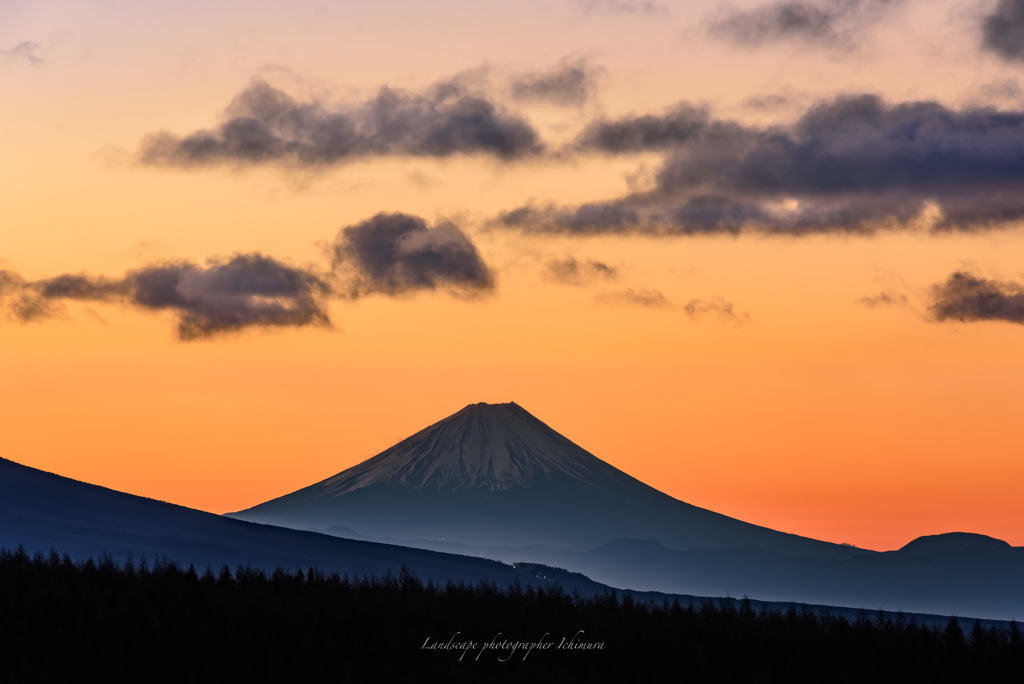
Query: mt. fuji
{"points": [[494, 475]]}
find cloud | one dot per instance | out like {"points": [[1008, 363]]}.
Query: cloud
{"points": [[851, 165], [725, 311], [1002, 31], [398, 253], [23, 52], [9, 282], [245, 291], [657, 132], [620, 7], [652, 299], [695, 309], [423, 180], [769, 102], [579, 272], [569, 84], [966, 297], [886, 298], [833, 23], [264, 125], [388, 254], [42, 298]]}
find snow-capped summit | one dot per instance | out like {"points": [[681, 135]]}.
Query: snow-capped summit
{"points": [[483, 446]]}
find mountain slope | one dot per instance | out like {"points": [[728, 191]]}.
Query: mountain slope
{"points": [[494, 475], [41, 511]]}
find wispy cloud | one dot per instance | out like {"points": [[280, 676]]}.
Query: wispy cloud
{"points": [[723, 310], [578, 272], [651, 299], [886, 298], [695, 309], [26, 51], [624, 7]]}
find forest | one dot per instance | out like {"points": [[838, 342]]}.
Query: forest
{"points": [[159, 621]]}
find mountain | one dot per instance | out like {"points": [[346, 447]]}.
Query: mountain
{"points": [[494, 475], [43, 511]]}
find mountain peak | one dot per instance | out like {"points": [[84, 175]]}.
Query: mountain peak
{"points": [[482, 446]]}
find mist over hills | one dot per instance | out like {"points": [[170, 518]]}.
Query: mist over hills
{"points": [[493, 481]]}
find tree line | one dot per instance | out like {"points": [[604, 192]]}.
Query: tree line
{"points": [[161, 621]]}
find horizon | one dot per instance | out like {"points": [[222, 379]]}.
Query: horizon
{"points": [[770, 270]]}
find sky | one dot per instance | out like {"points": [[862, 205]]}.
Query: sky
{"points": [[765, 257]]}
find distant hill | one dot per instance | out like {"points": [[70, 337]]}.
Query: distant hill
{"points": [[953, 542], [494, 475], [973, 581]]}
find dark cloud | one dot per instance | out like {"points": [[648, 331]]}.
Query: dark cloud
{"points": [[246, 291], [23, 52], [398, 253], [652, 299], [638, 7], [265, 125], [571, 84], [967, 297], [854, 144], [835, 23], [854, 165], [645, 133], [1003, 31], [389, 254], [886, 298], [573, 271]]}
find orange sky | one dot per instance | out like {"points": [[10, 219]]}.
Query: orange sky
{"points": [[816, 415]]}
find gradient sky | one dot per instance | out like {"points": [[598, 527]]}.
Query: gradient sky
{"points": [[836, 381]]}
